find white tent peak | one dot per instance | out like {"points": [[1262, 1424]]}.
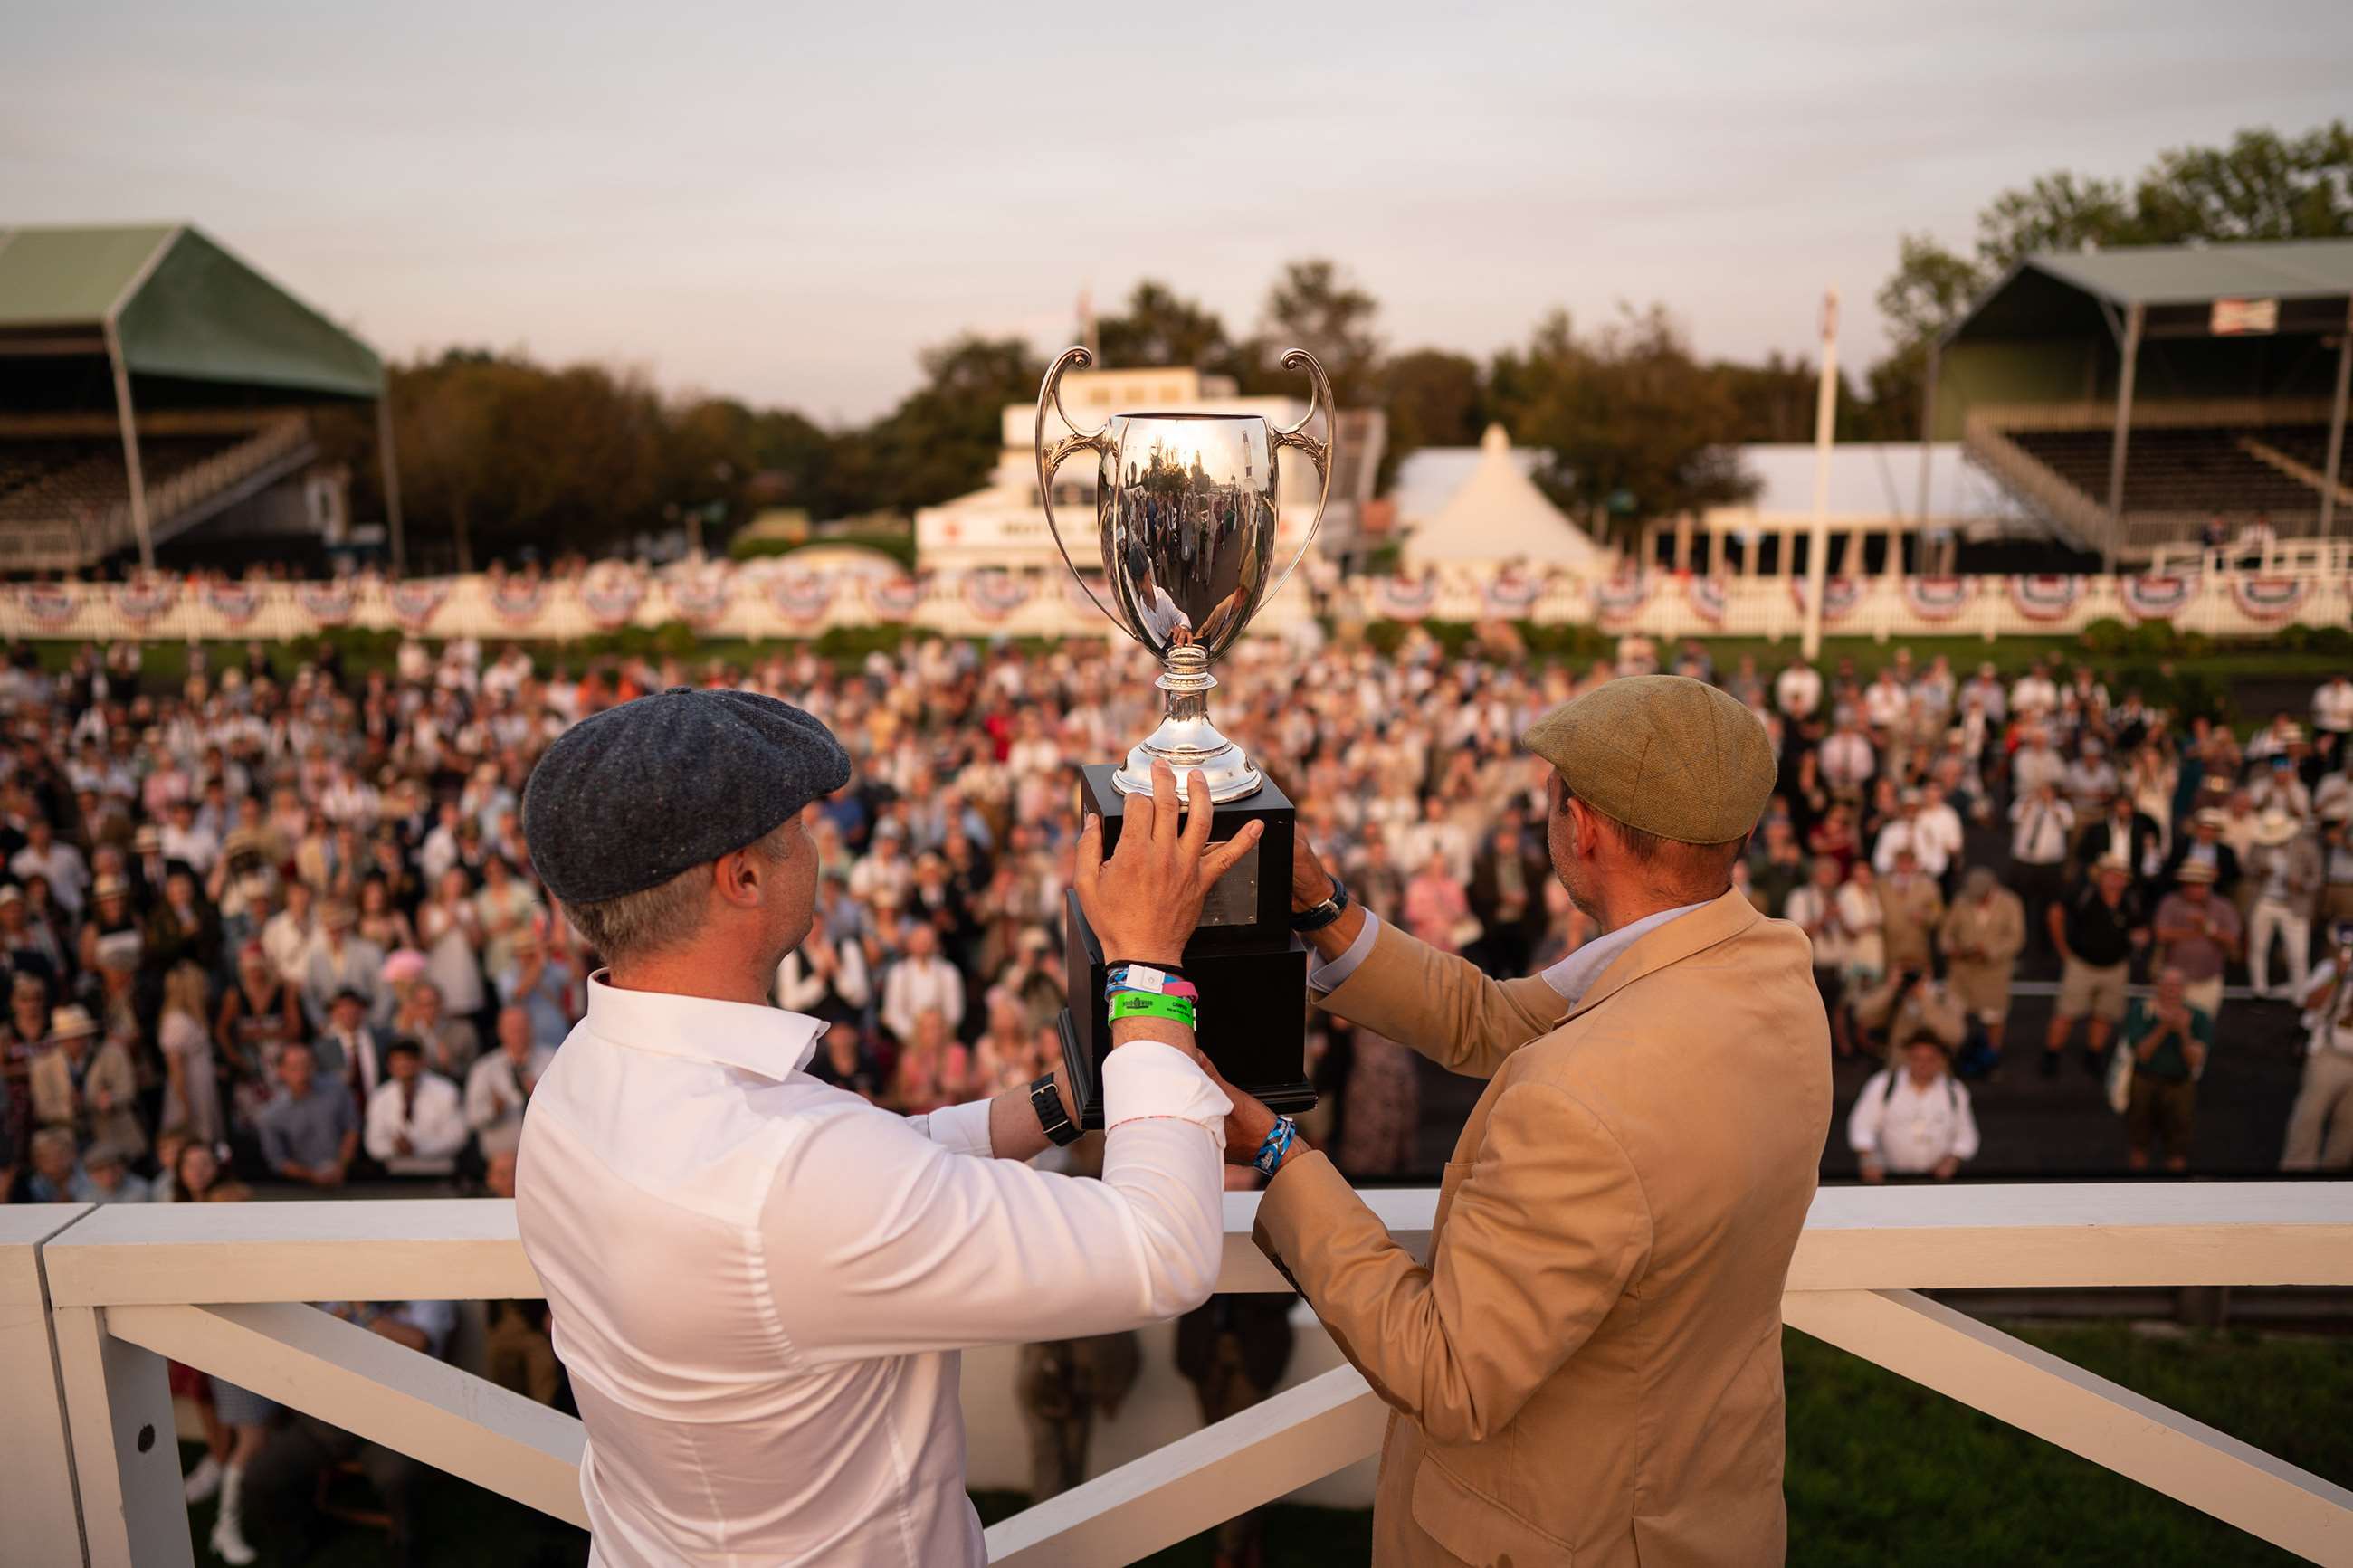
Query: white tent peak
{"points": [[1497, 513]]}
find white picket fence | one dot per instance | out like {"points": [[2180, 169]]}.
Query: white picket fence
{"points": [[92, 1302], [2309, 584]]}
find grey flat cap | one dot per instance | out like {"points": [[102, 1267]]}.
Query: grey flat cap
{"points": [[641, 792]]}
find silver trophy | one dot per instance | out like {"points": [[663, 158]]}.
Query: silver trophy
{"points": [[1185, 506]]}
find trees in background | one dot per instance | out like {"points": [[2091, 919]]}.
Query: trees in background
{"points": [[498, 453]]}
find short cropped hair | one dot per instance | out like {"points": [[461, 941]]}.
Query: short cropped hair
{"points": [[665, 915]]}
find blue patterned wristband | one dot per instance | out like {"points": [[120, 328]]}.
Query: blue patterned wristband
{"points": [[1278, 1139]]}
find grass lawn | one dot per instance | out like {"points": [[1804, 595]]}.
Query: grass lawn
{"points": [[1882, 1472]]}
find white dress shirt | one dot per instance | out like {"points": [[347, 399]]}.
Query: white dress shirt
{"points": [[913, 986], [436, 1127], [758, 1283], [1911, 1130], [495, 1095]]}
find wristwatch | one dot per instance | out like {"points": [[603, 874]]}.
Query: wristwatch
{"points": [[1047, 1101], [1317, 916]]}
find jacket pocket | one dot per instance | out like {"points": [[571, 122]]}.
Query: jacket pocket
{"points": [[1477, 1530]]}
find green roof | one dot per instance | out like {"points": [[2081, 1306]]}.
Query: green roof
{"points": [[2198, 274], [181, 306]]}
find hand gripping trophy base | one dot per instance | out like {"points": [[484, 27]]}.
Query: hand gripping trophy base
{"points": [[1185, 739]]}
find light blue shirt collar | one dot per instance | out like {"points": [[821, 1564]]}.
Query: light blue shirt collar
{"points": [[1573, 977]]}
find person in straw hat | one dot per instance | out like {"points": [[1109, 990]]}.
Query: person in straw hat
{"points": [[2198, 934], [1656, 1109], [87, 1085], [2286, 870]]}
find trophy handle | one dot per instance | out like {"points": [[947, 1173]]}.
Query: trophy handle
{"points": [[1320, 453], [1050, 395]]}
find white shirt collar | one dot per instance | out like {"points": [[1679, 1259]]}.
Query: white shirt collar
{"points": [[768, 1041], [1573, 977]]}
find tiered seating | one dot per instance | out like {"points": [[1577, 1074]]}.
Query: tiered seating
{"points": [[2181, 472], [54, 479]]}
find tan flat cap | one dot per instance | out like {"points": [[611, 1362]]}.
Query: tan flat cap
{"points": [[1665, 753]]}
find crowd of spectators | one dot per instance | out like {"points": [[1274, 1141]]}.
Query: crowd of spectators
{"points": [[270, 923]]}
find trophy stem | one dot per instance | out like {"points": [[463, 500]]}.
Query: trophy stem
{"points": [[1185, 739]]}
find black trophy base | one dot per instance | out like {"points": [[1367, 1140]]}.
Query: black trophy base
{"points": [[1250, 970]]}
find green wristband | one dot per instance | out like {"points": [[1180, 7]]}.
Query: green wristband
{"points": [[1146, 1004]]}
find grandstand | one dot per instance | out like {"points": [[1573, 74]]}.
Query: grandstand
{"points": [[2129, 398], [154, 389]]}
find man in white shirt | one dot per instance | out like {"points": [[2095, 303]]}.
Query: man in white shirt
{"points": [[922, 982], [2332, 706], [1915, 1120], [416, 1125], [499, 1085], [1848, 759], [771, 1375], [45, 855], [2320, 1125]]}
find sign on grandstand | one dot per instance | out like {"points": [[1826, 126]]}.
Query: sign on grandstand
{"points": [[2233, 318]]}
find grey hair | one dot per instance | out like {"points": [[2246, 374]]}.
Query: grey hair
{"points": [[666, 915]]}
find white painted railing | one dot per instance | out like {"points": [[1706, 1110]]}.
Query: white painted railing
{"points": [[109, 1294]]}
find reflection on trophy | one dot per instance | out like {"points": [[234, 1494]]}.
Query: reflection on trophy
{"points": [[1185, 517]]}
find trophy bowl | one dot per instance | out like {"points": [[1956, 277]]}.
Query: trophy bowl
{"points": [[1185, 521]]}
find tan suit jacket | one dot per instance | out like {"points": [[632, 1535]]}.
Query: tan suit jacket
{"points": [[55, 1103], [1909, 917], [1589, 1369]]}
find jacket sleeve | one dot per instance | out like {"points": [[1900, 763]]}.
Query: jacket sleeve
{"points": [[1542, 1232], [1442, 1005]]}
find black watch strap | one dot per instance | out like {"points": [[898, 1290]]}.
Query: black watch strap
{"points": [[1047, 1101], [1324, 913]]}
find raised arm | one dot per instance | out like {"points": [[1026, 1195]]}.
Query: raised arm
{"points": [[1370, 973]]}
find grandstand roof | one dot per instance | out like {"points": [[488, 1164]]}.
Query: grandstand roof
{"points": [[180, 306], [2198, 274], [2052, 294]]}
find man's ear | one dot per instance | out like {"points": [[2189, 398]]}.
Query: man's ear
{"points": [[736, 878]]}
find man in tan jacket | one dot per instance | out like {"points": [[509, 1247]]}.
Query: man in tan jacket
{"points": [[1590, 1367]]}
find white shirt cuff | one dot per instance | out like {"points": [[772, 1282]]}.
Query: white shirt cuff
{"points": [[1147, 1078], [959, 1129], [1333, 974]]}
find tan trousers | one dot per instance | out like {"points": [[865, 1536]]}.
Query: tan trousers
{"points": [[2324, 1101], [519, 1356]]}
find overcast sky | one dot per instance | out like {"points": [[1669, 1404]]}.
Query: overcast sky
{"points": [[785, 203]]}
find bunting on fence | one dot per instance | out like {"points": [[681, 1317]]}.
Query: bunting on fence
{"points": [[145, 599], [611, 591], [1509, 595], [2268, 599], [800, 597], [416, 600], [1406, 598], [700, 597], [518, 601], [894, 598], [2158, 596], [329, 603], [1620, 598], [1937, 598], [2044, 596], [1708, 599], [1840, 597], [235, 603], [51, 604], [994, 593]]}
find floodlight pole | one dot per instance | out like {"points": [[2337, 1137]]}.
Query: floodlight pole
{"points": [[388, 464], [1817, 543], [2336, 426], [2132, 318], [125, 414]]}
